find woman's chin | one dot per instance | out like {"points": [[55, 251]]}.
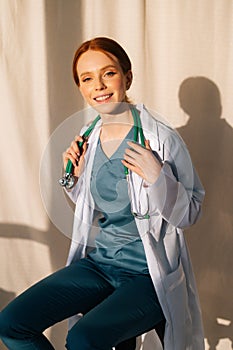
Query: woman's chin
{"points": [[110, 107]]}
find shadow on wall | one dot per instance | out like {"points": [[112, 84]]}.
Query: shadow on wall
{"points": [[210, 142], [5, 297]]}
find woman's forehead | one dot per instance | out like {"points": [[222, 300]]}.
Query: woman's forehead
{"points": [[94, 60]]}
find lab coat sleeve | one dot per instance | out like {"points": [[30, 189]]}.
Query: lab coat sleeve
{"points": [[177, 194]]}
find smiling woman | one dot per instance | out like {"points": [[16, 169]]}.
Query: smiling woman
{"points": [[129, 273], [118, 58], [103, 81]]}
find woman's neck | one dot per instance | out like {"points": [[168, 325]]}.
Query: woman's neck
{"points": [[123, 116], [116, 126]]}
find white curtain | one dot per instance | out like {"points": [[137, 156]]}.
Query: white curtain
{"points": [[182, 54]]}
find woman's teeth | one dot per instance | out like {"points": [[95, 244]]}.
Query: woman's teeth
{"points": [[103, 98]]}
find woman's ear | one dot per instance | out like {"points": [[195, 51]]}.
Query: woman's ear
{"points": [[129, 79]]}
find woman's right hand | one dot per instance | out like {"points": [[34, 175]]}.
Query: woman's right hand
{"points": [[76, 155]]}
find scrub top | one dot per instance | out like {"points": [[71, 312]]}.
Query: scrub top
{"points": [[118, 243]]}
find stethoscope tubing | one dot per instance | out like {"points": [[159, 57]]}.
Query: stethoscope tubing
{"points": [[68, 180]]}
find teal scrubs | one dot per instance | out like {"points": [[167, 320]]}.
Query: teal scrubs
{"points": [[118, 243], [112, 287]]}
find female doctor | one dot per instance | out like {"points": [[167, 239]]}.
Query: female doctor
{"points": [[135, 189]]}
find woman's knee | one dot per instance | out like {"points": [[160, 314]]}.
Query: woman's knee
{"points": [[11, 325], [86, 337], [78, 336]]}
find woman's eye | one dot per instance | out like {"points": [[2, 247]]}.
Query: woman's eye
{"points": [[86, 80], [110, 74]]}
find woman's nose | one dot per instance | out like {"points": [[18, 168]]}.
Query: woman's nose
{"points": [[99, 85]]}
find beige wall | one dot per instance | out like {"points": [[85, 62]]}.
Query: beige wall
{"points": [[170, 42]]}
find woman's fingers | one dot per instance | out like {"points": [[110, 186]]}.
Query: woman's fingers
{"points": [[147, 144], [142, 161], [135, 154], [68, 156], [84, 147], [130, 158], [79, 140], [74, 153], [134, 146]]}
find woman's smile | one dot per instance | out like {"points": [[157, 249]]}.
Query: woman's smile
{"points": [[103, 98]]}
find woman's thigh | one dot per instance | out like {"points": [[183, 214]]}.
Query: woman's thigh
{"points": [[71, 290], [132, 309]]}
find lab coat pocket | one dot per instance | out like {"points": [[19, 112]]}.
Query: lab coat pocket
{"points": [[177, 303], [174, 279]]}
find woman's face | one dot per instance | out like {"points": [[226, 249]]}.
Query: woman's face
{"points": [[102, 81]]}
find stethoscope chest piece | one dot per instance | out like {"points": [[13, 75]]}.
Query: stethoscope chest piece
{"points": [[67, 181]]}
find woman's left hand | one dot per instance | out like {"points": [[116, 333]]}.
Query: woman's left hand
{"points": [[142, 161]]}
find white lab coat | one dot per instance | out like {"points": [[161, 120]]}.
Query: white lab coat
{"points": [[173, 202]]}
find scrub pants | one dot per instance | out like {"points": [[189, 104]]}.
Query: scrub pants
{"points": [[114, 306]]}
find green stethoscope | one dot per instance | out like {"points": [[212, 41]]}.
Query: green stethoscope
{"points": [[68, 179]]}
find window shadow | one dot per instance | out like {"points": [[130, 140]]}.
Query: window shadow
{"points": [[210, 142], [5, 297]]}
